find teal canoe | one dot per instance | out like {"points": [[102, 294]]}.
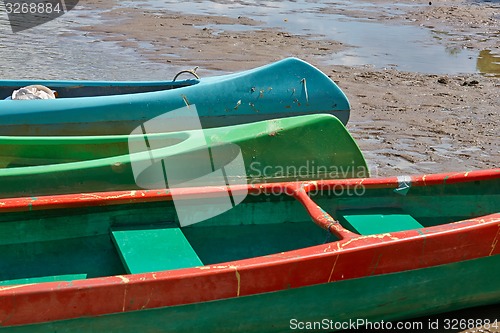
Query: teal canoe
{"points": [[285, 149], [307, 257], [288, 87]]}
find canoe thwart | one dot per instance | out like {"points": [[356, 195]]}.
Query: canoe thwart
{"points": [[379, 220], [168, 246]]}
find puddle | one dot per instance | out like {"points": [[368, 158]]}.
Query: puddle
{"points": [[404, 47], [489, 62], [71, 54]]}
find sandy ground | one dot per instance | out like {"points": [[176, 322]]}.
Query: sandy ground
{"points": [[405, 123]]}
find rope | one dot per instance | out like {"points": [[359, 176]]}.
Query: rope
{"points": [[188, 71]]}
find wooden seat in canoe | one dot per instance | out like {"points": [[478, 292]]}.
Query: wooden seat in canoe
{"points": [[154, 249], [376, 221]]}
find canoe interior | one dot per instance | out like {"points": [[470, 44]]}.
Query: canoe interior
{"points": [[94, 89], [81, 241], [35, 151], [310, 136], [69, 244], [425, 205]]}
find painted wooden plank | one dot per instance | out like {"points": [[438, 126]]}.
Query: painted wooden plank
{"points": [[375, 221], [151, 250], [53, 278]]}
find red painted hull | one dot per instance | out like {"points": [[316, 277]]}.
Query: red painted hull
{"points": [[354, 256]]}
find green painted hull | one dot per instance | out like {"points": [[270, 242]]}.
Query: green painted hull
{"points": [[295, 148], [387, 297], [122, 262]]}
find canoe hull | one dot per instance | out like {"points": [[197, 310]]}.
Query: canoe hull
{"points": [[88, 164], [447, 263], [286, 88], [405, 295]]}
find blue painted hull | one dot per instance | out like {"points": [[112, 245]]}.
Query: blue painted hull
{"points": [[286, 88]]}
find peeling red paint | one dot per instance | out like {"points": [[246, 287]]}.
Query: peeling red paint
{"points": [[124, 197]]}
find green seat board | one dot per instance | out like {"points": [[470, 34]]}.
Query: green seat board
{"points": [[376, 221], [151, 250], [53, 278]]}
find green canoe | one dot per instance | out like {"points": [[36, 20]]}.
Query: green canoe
{"points": [[287, 149], [289, 87], [307, 257]]}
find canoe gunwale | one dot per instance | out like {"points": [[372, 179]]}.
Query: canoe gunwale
{"points": [[99, 89], [137, 196]]}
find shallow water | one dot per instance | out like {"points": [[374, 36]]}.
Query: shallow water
{"points": [[59, 50], [404, 47]]}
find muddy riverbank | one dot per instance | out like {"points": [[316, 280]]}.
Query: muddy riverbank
{"points": [[405, 122]]}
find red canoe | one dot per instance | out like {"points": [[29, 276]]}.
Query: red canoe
{"points": [[379, 249]]}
